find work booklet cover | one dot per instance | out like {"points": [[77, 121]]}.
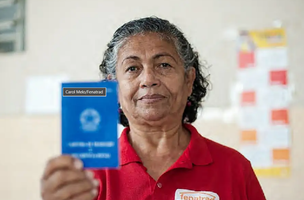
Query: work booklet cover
{"points": [[89, 123]]}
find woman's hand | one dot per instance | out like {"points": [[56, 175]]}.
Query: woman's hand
{"points": [[64, 179]]}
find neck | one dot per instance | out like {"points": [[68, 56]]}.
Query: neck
{"points": [[158, 140]]}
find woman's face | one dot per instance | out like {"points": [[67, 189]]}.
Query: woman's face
{"points": [[153, 85]]}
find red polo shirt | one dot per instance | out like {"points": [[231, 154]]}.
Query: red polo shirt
{"points": [[205, 171]]}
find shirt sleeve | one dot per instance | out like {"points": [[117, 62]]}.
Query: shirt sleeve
{"points": [[253, 187]]}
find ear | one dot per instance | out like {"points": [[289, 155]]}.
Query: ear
{"points": [[191, 75], [109, 77], [119, 95]]}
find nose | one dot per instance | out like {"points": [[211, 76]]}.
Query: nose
{"points": [[149, 78]]}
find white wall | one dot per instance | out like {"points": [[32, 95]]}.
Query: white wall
{"points": [[69, 37]]}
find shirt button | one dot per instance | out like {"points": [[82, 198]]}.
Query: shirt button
{"points": [[159, 185]]}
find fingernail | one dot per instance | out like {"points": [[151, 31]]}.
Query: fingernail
{"points": [[95, 182], [94, 192], [89, 174], [78, 164]]}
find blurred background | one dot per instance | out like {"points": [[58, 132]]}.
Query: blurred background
{"points": [[43, 43]]}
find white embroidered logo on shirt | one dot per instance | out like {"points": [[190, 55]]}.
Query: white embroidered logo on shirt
{"points": [[182, 194]]}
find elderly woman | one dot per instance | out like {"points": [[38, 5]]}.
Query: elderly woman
{"points": [[162, 155]]}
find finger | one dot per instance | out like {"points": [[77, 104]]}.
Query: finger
{"points": [[61, 162], [71, 190], [90, 195], [62, 177]]}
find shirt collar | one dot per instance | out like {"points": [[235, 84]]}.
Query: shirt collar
{"points": [[128, 154], [197, 151]]}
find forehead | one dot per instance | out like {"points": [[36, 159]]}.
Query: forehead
{"points": [[147, 44]]}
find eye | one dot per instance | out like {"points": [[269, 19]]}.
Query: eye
{"points": [[131, 69], [165, 65]]}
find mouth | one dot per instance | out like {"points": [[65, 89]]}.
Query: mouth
{"points": [[151, 98]]}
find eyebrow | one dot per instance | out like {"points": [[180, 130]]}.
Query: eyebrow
{"points": [[131, 57], [156, 56], [163, 54]]}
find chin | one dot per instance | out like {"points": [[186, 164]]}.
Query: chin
{"points": [[153, 115]]}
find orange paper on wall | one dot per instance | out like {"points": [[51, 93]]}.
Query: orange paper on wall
{"points": [[280, 155], [248, 98], [249, 136], [279, 116], [278, 77], [246, 59]]}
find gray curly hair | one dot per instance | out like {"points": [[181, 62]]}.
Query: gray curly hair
{"points": [[170, 32]]}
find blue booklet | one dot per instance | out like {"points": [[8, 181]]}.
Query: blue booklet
{"points": [[89, 123]]}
